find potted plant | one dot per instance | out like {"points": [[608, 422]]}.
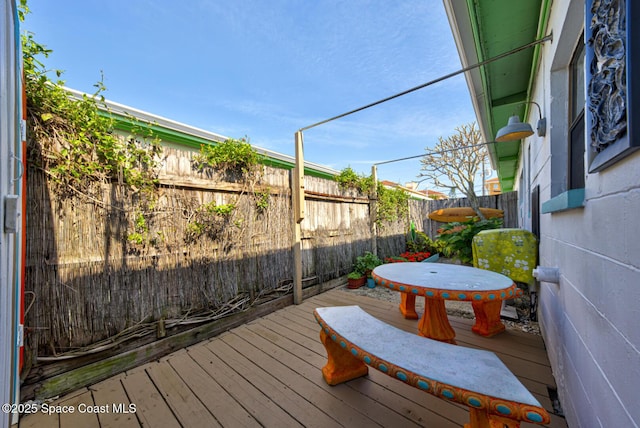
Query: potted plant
{"points": [[366, 264], [355, 279]]}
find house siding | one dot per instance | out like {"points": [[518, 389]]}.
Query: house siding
{"points": [[590, 319]]}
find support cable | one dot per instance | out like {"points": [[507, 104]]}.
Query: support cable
{"points": [[439, 79]]}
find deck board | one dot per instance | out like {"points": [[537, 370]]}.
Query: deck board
{"points": [[151, 409], [111, 393], [268, 373], [258, 403], [309, 367], [80, 418], [296, 373], [226, 410], [269, 376], [188, 409]]}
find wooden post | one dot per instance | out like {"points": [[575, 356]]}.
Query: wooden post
{"points": [[297, 199], [373, 210]]}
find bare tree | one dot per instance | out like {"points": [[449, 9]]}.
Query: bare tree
{"points": [[456, 161]]}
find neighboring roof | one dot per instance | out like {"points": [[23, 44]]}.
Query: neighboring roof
{"points": [[483, 30], [168, 130], [432, 194], [416, 194]]}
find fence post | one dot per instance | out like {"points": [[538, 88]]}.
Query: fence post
{"points": [[297, 196], [373, 210]]}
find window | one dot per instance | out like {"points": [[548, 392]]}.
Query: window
{"points": [[576, 119], [569, 135], [610, 82]]}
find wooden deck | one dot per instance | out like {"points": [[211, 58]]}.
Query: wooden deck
{"points": [[267, 373]]}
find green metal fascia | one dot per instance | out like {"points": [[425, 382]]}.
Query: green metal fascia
{"points": [[493, 152], [473, 18], [129, 124], [545, 11], [543, 19]]}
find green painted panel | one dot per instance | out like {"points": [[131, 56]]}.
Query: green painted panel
{"points": [[500, 26]]}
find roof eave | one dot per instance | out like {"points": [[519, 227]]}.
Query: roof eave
{"points": [[464, 37]]}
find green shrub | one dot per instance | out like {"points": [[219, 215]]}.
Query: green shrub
{"points": [[393, 205], [367, 262], [230, 155], [419, 242], [349, 179], [458, 237], [209, 219], [72, 138], [355, 275]]}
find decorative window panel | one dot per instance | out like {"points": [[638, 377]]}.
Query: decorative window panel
{"points": [[611, 84]]}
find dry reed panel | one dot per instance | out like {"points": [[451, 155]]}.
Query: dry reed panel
{"points": [[336, 229], [419, 210], [391, 239], [91, 281]]}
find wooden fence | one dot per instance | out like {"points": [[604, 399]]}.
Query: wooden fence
{"points": [[419, 210], [94, 286]]}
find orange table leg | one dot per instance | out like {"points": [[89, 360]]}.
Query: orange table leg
{"points": [[408, 306], [341, 365], [487, 318], [434, 323]]}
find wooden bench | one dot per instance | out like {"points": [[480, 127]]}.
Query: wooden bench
{"points": [[476, 378]]}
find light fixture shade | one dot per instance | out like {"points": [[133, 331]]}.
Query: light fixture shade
{"points": [[515, 130]]}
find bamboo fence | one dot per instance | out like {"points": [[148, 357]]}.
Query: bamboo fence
{"points": [[91, 283]]}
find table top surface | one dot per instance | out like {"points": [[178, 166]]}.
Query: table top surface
{"points": [[446, 281]]}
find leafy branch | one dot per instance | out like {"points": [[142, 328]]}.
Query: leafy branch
{"points": [[73, 140]]}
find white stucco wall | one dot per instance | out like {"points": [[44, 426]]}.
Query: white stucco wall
{"points": [[590, 320]]}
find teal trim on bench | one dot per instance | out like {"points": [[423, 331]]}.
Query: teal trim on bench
{"points": [[568, 200], [473, 377]]}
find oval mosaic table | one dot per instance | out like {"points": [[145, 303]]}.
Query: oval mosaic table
{"points": [[438, 282]]}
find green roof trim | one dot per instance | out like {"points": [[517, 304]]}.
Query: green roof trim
{"points": [[486, 29], [129, 123]]}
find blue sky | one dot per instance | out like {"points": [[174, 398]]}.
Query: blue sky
{"points": [[265, 69]]}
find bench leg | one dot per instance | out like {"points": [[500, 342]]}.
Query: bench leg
{"points": [[487, 318], [408, 306], [341, 365], [434, 323], [479, 418]]}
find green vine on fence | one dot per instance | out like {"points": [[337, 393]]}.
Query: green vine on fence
{"points": [[392, 204], [231, 156], [235, 158], [349, 179], [72, 139], [209, 220], [262, 200]]}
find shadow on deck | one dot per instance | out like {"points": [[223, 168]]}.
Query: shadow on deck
{"points": [[267, 373]]}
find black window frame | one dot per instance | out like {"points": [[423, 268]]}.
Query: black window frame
{"points": [[576, 141]]}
